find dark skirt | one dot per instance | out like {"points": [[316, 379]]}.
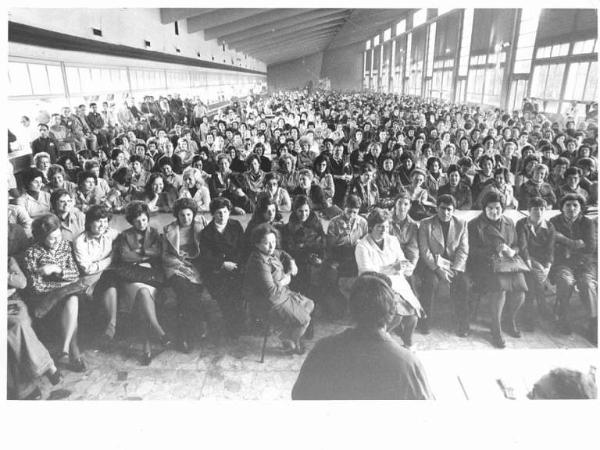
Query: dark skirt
{"points": [[295, 311], [509, 282]]}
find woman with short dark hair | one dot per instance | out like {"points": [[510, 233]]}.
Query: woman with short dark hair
{"points": [[180, 254], [87, 193], [35, 200], [72, 220], [274, 191], [155, 196], [458, 188], [253, 178], [137, 256], [221, 245], [495, 265], [51, 267], [304, 239], [266, 286], [93, 253]]}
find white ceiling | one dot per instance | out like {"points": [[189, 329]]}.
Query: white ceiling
{"points": [[278, 35]]}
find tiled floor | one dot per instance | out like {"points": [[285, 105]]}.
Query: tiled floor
{"points": [[219, 369]]}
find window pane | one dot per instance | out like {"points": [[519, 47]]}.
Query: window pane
{"points": [[522, 66], [479, 78], [524, 54], [559, 50], [55, 79], [538, 81], [387, 34], [576, 81], [400, 27], [368, 45], [584, 47], [19, 79], [86, 79], [419, 18], [376, 41], [551, 107], [543, 52], [73, 79], [447, 81], [592, 83], [39, 79], [555, 79], [105, 77], [527, 40]]}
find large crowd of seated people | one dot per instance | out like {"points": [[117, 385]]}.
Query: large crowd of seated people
{"points": [[334, 186]]}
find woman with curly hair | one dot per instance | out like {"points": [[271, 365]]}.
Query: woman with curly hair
{"points": [[50, 267]]}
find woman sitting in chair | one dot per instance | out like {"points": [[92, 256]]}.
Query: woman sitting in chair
{"points": [[266, 286], [495, 266], [50, 266], [137, 251], [380, 252]]}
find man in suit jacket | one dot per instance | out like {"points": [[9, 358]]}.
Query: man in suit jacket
{"points": [[444, 247]]}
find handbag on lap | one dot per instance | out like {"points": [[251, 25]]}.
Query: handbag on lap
{"points": [[504, 264]]}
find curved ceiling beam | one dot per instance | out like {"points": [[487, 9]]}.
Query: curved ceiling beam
{"points": [[259, 20], [290, 39], [283, 24], [291, 42], [220, 17], [169, 15], [365, 23], [275, 34], [309, 43], [276, 38]]}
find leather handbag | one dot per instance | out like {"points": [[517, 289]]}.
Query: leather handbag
{"points": [[504, 264], [136, 273]]}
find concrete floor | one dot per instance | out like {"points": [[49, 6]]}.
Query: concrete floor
{"points": [[220, 369]]}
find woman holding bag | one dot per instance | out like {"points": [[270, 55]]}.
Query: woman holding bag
{"points": [[495, 264], [137, 252]]}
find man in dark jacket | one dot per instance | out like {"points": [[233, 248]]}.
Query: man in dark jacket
{"points": [[575, 262], [45, 143]]}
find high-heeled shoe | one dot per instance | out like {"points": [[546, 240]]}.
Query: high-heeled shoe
{"points": [[498, 341], [54, 377], [146, 358]]}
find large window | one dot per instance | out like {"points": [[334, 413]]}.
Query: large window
{"points": [[582, 80], [443, 77], [546, 83], [486, 74], [35, 79], [527, 31]]}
